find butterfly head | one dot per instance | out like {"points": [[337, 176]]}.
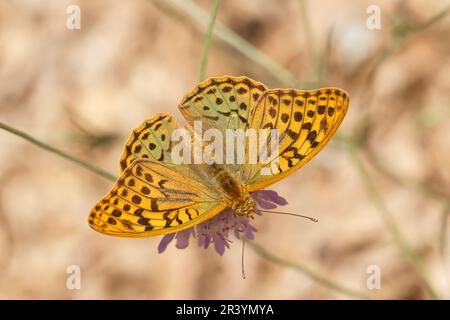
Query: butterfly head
{"points": [[244, 208]]}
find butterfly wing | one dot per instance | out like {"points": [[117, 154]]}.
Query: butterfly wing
{"points": [[222, 103], [306, 120], [150, 199], [154, 195], [151, 140]]}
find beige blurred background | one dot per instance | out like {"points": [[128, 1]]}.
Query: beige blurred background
{"points": [[84, 91]]}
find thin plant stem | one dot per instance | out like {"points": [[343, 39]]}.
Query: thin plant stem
{"points": [[263, 252], [207, 41], [389, 220], [319, 278], [286, 78], [236, 41], [436, 18], [443, 239], [310, 43], [247, 49], [316, 277], [422, 187], [256, 247], [443, 229], [84, 163]]}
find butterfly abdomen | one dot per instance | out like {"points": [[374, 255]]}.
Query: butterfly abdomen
{"points": [[231, 186]]}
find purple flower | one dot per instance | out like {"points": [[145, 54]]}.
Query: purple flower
{"points": [[217, 230]]}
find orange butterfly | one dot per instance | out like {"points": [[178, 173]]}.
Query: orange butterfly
{"points": [[154, 195]]}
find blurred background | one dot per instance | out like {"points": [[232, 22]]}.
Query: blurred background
{"points": [[381, 189]]}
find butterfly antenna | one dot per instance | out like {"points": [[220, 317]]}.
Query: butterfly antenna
{"points": [[291, 214], [242, 258]]}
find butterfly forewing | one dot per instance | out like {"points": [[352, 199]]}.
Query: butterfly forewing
{"points": [[150, 198], [306, 120]]}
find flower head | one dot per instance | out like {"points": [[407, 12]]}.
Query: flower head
{"points": [[217, 230]]}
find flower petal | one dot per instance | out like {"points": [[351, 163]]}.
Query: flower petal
{"points": [[269, 196], [204, 240], [219, 244], [183, 238], [249, 233], [219, 229], [264, 204], [165, 240]]}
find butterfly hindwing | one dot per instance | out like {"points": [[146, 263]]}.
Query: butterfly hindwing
{"points": [[151, 140], [154, 195], [222, 103]]}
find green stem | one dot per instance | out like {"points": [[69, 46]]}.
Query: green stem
{"points": [[59, 152], [425, 188], [306, 271], [236, 41], [436, 18], [256, 247], [319, 278], [443, 238], [207, 41], [286, 78], [389, 220], [443, 229], [310, 43]]}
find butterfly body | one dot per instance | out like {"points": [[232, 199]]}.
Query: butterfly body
{"points": [[236, 195], [155, 195]]}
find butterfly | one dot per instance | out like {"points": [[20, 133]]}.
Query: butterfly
{"points": [[154, 195]]}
